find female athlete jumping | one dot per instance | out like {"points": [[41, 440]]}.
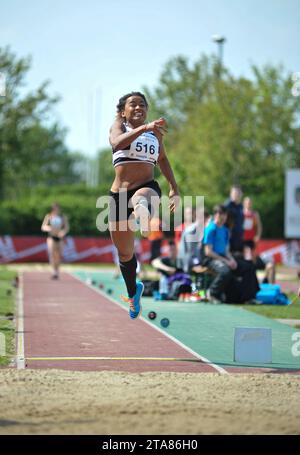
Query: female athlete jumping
{"points": [[137, 147]]}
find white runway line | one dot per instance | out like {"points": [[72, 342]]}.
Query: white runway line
{"points": [[152, 359], [20, 325]]}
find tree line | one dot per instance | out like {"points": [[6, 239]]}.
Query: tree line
{"points": [[222, 129]]}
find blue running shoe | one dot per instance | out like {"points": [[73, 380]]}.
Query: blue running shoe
{"points": [[135, 306]]}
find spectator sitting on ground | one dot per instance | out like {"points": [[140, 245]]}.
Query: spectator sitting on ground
{"points": [[235, 220], [252, 235], [190, 245], [219, 259], [168, 267]]}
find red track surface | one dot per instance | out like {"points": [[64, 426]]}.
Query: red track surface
{"points": [[65, 318]]}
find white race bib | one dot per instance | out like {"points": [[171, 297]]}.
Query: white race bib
{"points": [[248, 224], [145, 147]]}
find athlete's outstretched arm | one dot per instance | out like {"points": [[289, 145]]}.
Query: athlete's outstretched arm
{"points": [[167, 171], [46, 226]]}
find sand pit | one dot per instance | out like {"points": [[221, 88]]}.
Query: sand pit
{"points": [[108, 403]]}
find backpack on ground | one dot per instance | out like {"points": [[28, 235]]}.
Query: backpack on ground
{"points": [[270, 294], [179, 283]]}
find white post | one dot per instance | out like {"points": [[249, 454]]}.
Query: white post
{"points": [[2, 345]]}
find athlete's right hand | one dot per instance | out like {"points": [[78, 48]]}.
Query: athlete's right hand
{"points": [[158, 126]]}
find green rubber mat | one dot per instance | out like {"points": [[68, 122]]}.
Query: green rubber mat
{"points": [[205, 328]]}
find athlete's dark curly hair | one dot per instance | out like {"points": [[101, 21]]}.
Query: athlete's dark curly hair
{"points": [[122, 101]]}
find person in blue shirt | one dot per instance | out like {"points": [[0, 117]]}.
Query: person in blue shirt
{"points": [[235, 278], [217, 253]]}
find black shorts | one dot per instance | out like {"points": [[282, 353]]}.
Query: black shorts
{"points": [[119, 203], [55, 238]]}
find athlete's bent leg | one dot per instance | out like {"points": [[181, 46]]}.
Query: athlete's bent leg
{"points": [[145, 202]]}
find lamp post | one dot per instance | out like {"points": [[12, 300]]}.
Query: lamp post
{"points": [[220, 40]]}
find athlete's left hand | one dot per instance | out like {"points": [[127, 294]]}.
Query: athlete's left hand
{"points": [[174, 200]]}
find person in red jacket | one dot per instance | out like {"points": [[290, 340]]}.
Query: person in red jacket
{"points": [[252, 235], [252, 226]]}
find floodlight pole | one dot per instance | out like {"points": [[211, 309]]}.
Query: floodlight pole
{"points": [[220, 40]]}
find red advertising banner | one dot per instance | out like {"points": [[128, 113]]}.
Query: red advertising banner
{"points": [[34, 249], [15, 249]]}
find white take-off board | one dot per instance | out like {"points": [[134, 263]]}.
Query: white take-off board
{"points": [[252, 345]]}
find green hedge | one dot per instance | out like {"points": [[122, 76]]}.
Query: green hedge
{"points": [[24, 216]]}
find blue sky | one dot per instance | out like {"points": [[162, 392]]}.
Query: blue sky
{"points": [[94, 51]]}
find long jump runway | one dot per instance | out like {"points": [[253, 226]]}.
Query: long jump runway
{"points": [[69, 324]]}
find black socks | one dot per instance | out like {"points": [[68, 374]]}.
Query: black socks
{"points": [[128, 270]]}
